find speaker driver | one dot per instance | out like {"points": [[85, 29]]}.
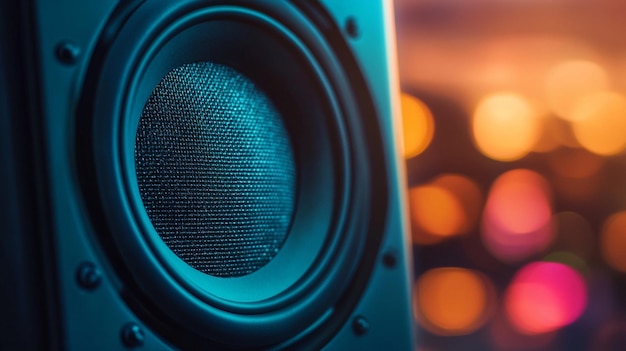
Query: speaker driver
{"points": [[215, 169], [234, 186], [201, 175]]}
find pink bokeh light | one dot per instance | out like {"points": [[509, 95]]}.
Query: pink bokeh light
{"points": [[517, 218], [545, 296]]}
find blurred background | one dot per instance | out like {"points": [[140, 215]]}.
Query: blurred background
{"points": [[515, 126]]}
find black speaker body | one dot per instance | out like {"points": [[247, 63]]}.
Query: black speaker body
{"points": [[202, 174]]}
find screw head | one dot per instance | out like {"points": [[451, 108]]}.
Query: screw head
{"points": [[132, 335], [88, 276], [67, 53], [360, 325], [351, 27], [390, 259]]}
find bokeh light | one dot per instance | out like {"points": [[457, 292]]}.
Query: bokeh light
{"points": [[600, 122], [577, 190], [545, 296], [575, 235], [552, 132], [530, 100], [611, 336], [468, 194], [418, 125], [505, 127], [613, 241], [517, 217], [575, 162], [453, 301], [568, 259], [437, 210], [447, 206], [506, 337], [569, 81]]}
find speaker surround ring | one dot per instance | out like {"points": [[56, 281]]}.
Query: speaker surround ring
{"points": [[212, 308]]}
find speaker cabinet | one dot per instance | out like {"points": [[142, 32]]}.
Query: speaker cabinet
{"points": [[202, 175]]}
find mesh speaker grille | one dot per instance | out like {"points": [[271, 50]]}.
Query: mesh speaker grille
{"points": [[215, 169]]}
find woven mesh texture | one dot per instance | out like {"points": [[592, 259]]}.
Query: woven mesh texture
{"points": [[215, 169]]}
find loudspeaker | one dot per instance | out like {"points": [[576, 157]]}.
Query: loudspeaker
{"points": [[202, 175]]}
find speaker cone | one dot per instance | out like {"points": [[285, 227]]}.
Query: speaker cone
{"points": [[215, 169]]}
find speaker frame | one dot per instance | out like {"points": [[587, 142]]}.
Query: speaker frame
{"points": [[83, 315], [217, 307]]}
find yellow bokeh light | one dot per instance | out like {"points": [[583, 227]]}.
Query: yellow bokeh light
{"points": [[505, 127], [452, 301], [570, 81], [437, 210], [613, 241], [600, 122], [417, 124]]}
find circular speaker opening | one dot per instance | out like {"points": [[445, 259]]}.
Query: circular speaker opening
{"points": [[229, 156], [215, 169]]}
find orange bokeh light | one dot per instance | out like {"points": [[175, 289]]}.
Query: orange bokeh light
{"points": [[613, 241], [600, 122], [552, 132], [505, 127], [447, 206], [570, 81], [453, 301], [468, 194], [418, 125], [575, 163], [437, 210]]}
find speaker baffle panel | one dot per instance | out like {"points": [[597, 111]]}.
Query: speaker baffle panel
{"points": [[306, 291]]}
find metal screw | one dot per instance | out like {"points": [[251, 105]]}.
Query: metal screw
{"points": [[88, 276], [67, 53], [132, 335], [390, 259], [360, 325], [352, 29]]}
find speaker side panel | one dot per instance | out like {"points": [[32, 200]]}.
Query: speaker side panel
{"points": [[385, 307], [25, 321]]}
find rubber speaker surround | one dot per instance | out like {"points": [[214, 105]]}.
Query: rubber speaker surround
{"points": [[300, 297]]}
